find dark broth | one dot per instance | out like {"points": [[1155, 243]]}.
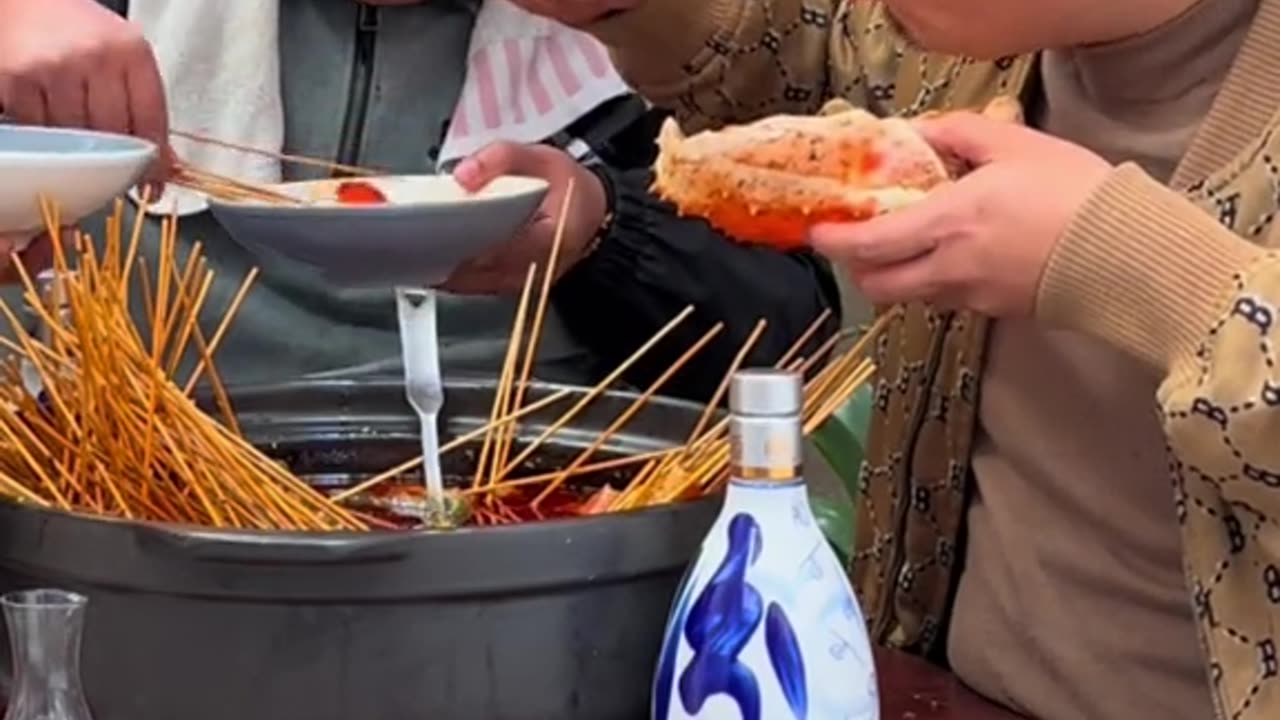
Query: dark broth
{"points": [[398, 502]]}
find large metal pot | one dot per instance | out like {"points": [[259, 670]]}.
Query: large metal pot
{"points": [[545, 621]]}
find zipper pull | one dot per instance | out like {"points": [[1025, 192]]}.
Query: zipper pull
{"points": [[369, 20]]}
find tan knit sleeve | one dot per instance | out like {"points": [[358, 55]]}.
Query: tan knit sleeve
{"points": [[1154, 274], [720, 61], [1151, 272], [1143, 267]]}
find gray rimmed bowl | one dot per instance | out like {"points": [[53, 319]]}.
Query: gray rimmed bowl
{"points": [[428, 226], [79, 171]]}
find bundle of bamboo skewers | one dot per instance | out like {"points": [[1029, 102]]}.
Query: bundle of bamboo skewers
{"points": [[108, 429], [112, 430], [233, 190]]}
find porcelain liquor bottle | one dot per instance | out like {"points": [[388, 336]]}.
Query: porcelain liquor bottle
{"points": [[765, 625]]}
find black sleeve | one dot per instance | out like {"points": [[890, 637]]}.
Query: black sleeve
{"points": [[652, 264]]}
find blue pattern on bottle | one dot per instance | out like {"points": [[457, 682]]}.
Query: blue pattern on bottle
{"points": [[722, 620], [786, 658], [765, 630], [664, 679]]}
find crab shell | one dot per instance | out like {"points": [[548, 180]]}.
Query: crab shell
{"points": [[769, 181]]}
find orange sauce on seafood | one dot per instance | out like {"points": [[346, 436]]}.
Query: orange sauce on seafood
{"points": [[782, 227]]}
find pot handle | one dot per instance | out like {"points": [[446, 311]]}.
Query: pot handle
{"points": [[272, 548]]}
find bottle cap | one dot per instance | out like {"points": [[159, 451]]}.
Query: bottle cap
{"points": [[766, 393]]}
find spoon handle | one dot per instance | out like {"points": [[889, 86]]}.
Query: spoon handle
{"points": [[419, 342]]}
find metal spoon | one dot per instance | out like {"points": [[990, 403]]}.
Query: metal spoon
{"points": [[418, 340], [53, 294]]}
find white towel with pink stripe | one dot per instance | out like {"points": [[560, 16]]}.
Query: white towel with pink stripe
{"points": [[528, 78]]}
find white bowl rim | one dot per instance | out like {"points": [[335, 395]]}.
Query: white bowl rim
{"points": [[139, 147]]}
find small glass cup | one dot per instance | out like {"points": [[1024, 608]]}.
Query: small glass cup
{"points": [[45, 630]]}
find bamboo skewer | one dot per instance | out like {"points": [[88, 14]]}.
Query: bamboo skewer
{"points": [[283, 157], [723, 389], [228, 189], [702, 465], [636, 406], [501, 398], [484, 431], [587, 469], [535, 333], [595, 392], [804, 338]]}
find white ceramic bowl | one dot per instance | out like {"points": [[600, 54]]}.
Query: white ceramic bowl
{"points": [[427, 227], [78, 170]]}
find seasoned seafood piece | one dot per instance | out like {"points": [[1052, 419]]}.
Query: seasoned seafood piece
{"points": [[769, 181]]}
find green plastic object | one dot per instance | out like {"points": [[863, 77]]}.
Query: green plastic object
{"points": [[841, 441], [835, 518]]}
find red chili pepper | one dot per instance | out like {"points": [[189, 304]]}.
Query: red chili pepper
{"points": [[358, 192]]}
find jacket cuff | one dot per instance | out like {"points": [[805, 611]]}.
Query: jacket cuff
{"points": [[586, 276], [1144, 269]]}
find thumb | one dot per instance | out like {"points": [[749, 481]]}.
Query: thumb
{"points": [[498, 159], [975, 139]]}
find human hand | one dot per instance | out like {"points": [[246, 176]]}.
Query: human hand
{"points": [[982, 242], [503, 270], [34, 254], [74, 63], [577, 13]]}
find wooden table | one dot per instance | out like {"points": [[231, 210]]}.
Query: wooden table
{"points": [[912, 689]]}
